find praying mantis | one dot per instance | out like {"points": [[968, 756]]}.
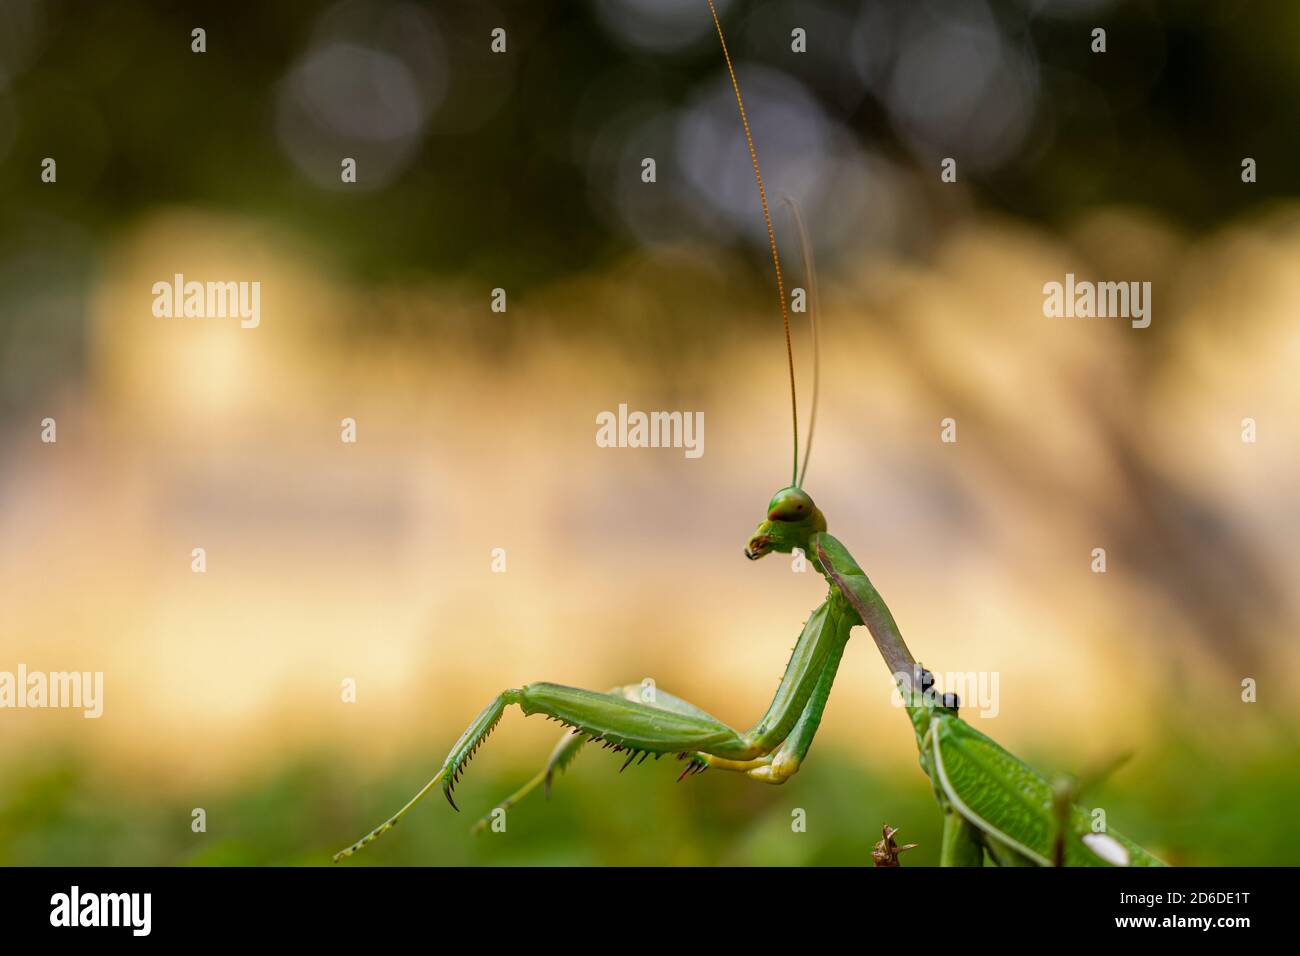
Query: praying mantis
{"points": [[994, 805]]}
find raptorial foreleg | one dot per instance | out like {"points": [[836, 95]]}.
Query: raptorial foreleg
{"points": [[642, 728]]}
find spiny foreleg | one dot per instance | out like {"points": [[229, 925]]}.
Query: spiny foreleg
{"points": [[783, 763], [642, 728], [451, 768], [567, 748], [633, 726]]}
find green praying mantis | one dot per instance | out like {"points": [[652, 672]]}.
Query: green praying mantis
{"points": [[995, 806]]}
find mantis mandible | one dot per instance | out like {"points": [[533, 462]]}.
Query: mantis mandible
{"points": [[993, 803]]}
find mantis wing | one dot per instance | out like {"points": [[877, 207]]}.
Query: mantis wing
{"points": [[1010, 801]]}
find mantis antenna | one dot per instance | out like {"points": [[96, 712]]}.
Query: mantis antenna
{"points": [[771, 239], [810, 276]]}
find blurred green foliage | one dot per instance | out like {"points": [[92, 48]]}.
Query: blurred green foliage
{"points": [[1241, 813]]}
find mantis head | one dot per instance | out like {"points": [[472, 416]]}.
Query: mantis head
{"points": [[792, 519]]}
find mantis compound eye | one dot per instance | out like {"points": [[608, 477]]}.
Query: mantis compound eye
{"points": [[790, 504], [951, 702]]}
